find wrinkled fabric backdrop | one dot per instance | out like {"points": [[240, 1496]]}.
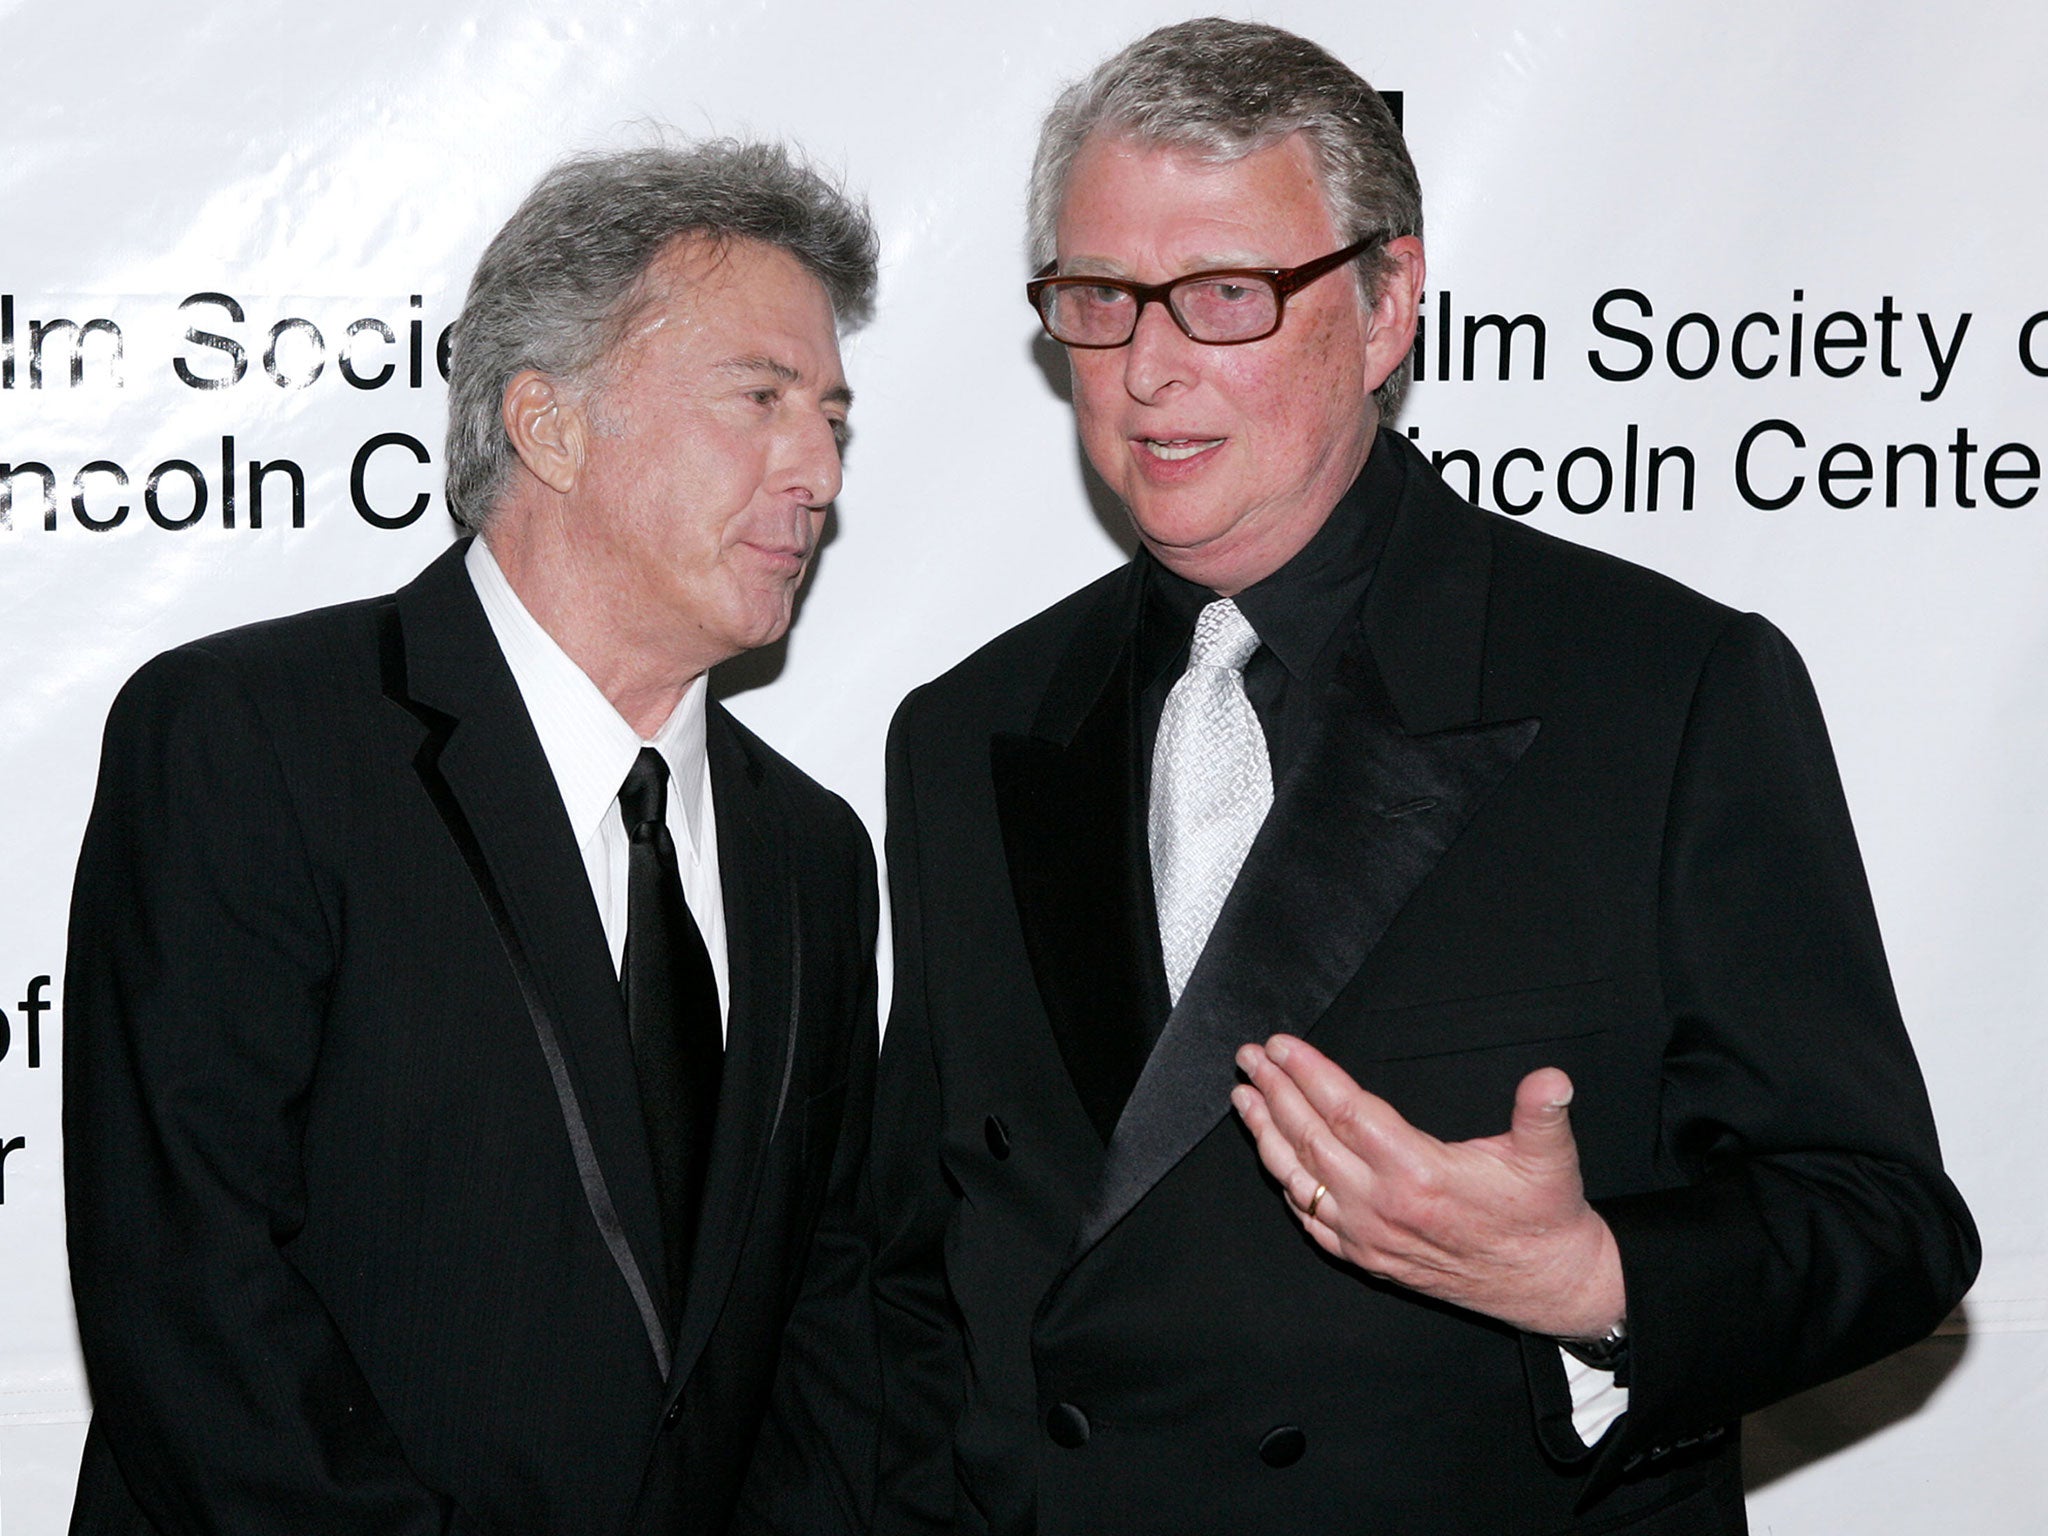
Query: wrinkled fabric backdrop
{"points": [[1698, 281]]}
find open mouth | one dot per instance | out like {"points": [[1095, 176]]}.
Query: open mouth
{"points": [[1172, 448]]}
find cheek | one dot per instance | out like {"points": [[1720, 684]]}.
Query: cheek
{"points": [[1260, 394], [1097, 387], [1332, 350], [1301, 396], [714, 493]]}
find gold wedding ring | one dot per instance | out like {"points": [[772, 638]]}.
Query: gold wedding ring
{"points": [[1315, 1200]]}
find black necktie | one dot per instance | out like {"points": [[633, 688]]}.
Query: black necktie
{"points": [[672, 1011]]}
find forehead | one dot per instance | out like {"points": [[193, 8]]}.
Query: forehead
{"points": [[701, 296], [1128, 199]]}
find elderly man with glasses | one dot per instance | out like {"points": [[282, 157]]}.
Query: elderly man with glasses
{"points": [[1390, 1032]]}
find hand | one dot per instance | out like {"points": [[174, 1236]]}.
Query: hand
{"points": [[1499, 1225]]}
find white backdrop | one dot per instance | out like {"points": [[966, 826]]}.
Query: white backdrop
{"points": [[1799, 159]]}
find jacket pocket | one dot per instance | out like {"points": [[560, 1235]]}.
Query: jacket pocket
{"points": [[1686, 1510], [1449, 1025]]}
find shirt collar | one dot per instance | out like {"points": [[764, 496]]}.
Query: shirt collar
{"points": [[588, 744]]}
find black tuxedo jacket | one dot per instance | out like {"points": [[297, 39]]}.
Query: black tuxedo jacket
{"points": [[362, 1220], [1556, 811]]}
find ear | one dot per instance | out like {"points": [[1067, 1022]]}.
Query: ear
{"points": [[1390, 322], [546, 429]]}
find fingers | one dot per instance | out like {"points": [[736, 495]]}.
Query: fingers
{"points": [[1322, 1082], [1283, 1158], [1498, 1224], [1311, 1149], [1312, 1096], [1307, 1135], [1541, 1128], [1318, 1227], [1310, 1200]]}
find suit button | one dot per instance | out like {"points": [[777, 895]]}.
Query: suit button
{"points": [[1282, 1447], [674, 1416], [998, 1136], [1067, 1425]]}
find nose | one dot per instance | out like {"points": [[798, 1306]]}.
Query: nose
{"points": [[812, 475], [1158, 355]]}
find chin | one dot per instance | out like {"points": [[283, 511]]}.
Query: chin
{"points": [[769, 629], [1178, 538]]}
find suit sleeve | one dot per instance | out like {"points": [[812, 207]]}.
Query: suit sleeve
{"points": [[1810, 1229], [924, 1369], [199, 957], [813, 1470]]}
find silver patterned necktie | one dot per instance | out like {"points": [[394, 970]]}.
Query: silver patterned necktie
{"points": [[1212, 785]]}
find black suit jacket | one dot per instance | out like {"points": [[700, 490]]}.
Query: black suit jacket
{"points": [[1557, 811], [362, 1222]]}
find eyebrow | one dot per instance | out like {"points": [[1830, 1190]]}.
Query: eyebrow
{"points": [[1103, 266], [782, 373]]}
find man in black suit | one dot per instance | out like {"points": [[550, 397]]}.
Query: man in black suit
{"points": [[470, 1030], [1500, 824]]}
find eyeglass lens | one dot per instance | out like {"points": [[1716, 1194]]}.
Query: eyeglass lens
{"points": [[1211, 309]]}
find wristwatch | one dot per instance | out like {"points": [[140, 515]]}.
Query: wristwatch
{"points": [[1608, 1352]]}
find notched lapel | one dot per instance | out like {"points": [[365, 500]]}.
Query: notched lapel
{"points": [[1070, 804], [482, 766], [764, 961], [1366, 815]]}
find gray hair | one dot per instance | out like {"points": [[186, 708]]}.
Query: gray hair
{"points": [[1226, 89], [563, 281]]}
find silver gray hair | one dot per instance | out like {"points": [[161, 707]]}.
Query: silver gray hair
{"points": [[1226, 89], [564, 280]]}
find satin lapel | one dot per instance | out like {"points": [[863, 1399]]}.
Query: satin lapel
{"points": [[765, 963], [483, 767], [1366, 815], [1070, 802]]}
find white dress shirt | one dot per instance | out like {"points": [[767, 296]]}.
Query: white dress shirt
{"points": [[590, 749], [1596, 1401]]}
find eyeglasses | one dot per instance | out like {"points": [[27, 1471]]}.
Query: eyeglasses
{"points": [[1220, 309]]}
